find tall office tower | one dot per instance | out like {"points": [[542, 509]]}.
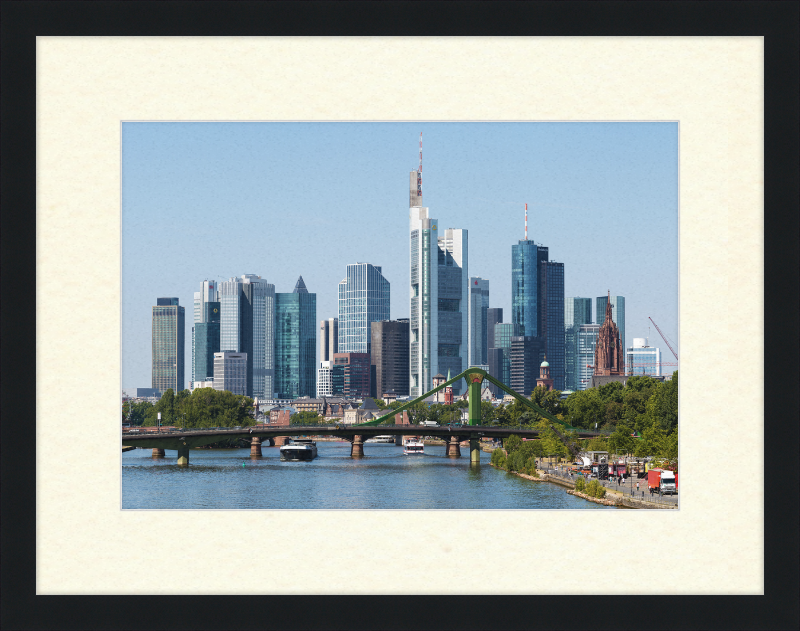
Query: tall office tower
{"points": [[609, 357], [168, 345], [577, 311], [537, 302], [495, 361], [424, 296], [643, 359], [527, 353], [503, 334], [295, 343], [355, 370], [230, 372], [453, 304], [585, 346], [206, 341], [494, 315], [617, 313], [389, 357], [478, 318], [207, 293], [363, 299], [328, 339], [324, 388]]}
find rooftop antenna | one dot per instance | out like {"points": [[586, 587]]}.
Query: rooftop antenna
{"points": [[419, 170], [526, 222]]}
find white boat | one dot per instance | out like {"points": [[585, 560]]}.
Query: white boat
{"points": [[299, 449], [381, 439], [414, 447]]}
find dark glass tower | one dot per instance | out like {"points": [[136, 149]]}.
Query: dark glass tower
{"points": [[577, 311], [389, 356], [206, 341], [295, 343]]}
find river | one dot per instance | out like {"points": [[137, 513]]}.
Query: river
{"points": [[384, 478]]}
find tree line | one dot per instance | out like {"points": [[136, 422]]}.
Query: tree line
{"points": [[203, 407]]}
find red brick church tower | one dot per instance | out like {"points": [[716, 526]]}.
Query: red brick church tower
{"points": [[544, 375], [608, 357]]}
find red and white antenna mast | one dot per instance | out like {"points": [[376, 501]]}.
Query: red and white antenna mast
{"points": [[419, 170], [526, 222]]}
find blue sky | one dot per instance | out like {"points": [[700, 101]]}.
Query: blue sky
{"points": [[215, 200]]}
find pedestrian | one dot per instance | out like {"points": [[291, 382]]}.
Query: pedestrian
{"points": [[617, 480], [637, 487]]}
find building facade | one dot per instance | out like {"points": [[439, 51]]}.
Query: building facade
{"points": [[617, 313], [552, 320], [478, 321], [352, 375], [328, 339], [585, 347], [525, 287], [363, 299], [643, 359], [207, 293], [494, 315], [503, 334], [423, 298], [168, 350], [205, 334], [527, 353], [577, 311], [389, 356], [295, 343], [230, 372], [324, 385], [236, 323], [453, 303]]}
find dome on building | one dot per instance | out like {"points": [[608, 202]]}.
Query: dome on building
{"points": [[544, 364]]}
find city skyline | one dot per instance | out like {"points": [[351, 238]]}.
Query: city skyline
{"points": [[601, 196]]}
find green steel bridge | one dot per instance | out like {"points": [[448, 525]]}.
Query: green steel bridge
{"points": [[357, 433]]}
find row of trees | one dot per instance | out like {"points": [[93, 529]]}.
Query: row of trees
{"points": [[204, 407]]}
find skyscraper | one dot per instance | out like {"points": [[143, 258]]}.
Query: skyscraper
{"points": [[504, 332], [643, 359], [206, 341], [355, 368], [363, 299], [230, 372], [168, 345], [577, 311], [247, 326], [207, 293], [493, 316], [453, 304], [527, 353], [537, 302], [328, 339], [389, 356], [478, 321], [295, 343], [617, 313], [585, 347]]}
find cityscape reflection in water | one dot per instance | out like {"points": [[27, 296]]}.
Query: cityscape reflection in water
{"points": [[383, 479]]}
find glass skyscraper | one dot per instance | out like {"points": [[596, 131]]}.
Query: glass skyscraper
{"points": [[206, 341], [424, 296], [585, 344], [643, 359], [577, 311], [478, 321], [295, 343], [169, 322], [363, 299], [503, 332], [207, 293], [617, 314], [453, 304], [525, 287]]}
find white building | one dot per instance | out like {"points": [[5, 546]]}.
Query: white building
{"points": [[230, 372], [324, 381], [642, 359], [209, 383]]}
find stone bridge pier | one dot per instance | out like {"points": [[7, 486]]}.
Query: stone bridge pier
{"points": [[453, 448], [158, 453], [255, 447], [357, 447]]}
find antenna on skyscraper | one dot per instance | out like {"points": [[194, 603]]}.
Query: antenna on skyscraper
{"points": [[526, 222], [419, 170]]}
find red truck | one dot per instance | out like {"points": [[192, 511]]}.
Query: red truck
{"points": [[662, 480]]}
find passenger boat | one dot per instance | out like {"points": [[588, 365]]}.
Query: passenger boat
{"points": [[414, 447], [299, 449], [381, 439]]}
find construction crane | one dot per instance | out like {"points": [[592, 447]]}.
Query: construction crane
{"points": [[663, 338]]}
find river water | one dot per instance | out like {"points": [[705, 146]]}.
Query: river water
{"points": [[384, 478]]}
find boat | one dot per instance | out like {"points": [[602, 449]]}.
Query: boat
{"points": [[299, 449], [414, 447], [381, 439]]}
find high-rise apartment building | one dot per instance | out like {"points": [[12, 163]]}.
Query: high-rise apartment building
{"points": [[328, 339], [295, 343], [363, 299], [205, 334], [585, 346], [643, 359], [324, 385], [478, 321], [354, 372], [168, 345], [230, 372], [577, 311], [537, 302], [389, 357], [617, 313], [207, 293], [494, 315]]}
